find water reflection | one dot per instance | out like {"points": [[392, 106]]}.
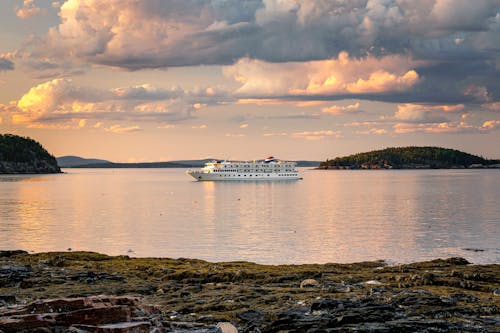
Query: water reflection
{"points": [[338, 216]]}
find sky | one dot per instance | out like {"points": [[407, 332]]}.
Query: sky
{"points": [[159, 80]]}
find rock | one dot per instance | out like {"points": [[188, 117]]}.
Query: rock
{"points": [[373, 282], [7, 299], [309, 283], [465, 298], [111, 313], [13, 275], [225, 327], [7, 254], [91, 277], [496, 292], [252, 316], [327, 304]]}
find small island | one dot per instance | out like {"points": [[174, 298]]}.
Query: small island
{"points": [[19, 155], [410, 158]]}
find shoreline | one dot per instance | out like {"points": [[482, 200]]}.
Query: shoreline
{"points": [[449, 294]]}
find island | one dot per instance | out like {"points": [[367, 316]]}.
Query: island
{"points": [[22, 155], [410, 158]]}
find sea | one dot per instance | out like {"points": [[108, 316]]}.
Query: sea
{"points": [[341, 216]]}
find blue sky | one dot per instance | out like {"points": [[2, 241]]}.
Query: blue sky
{"points": [[163, 80]]}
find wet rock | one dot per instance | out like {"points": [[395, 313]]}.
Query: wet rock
{"points": [[7, 299], [13, 275], [251, 317], [91, 277], [327, 304], [11, 253], [97, 313], [464, 298]]}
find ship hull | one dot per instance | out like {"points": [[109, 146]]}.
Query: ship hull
{"points": [[205, 176]]}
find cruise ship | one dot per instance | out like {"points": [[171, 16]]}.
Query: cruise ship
{"points": [[268, 169]]}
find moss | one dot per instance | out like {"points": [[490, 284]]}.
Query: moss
{"points": [[221, 290]]}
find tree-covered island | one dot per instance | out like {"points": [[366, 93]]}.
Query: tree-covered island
{"points": [[409, 158], [20, 155]]}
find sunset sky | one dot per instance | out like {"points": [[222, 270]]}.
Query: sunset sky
{"points": [[157, 80]]}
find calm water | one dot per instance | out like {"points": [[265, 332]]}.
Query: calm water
{"points": [[329, 216]]}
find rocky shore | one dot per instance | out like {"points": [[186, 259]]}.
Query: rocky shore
{"points": [[91, 292]]}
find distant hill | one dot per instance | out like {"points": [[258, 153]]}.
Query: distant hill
{"points": [[110, 165], [79, 162], [19, 155], [409, 158], [71, 161]]}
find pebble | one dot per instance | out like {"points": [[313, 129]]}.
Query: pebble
{"points": [[225, 327], [309, 283], [373, 282]]}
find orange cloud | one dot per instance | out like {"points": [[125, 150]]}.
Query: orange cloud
{"points": [[376, 131], [382, 81], [334, 76], [340, 110], [446, 127], [120, 129], [491, 106], [424, 112], [315, 135], [29, 9], [275, 134]]}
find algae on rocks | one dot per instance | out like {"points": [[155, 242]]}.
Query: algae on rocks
{"points": [[439, 295]]}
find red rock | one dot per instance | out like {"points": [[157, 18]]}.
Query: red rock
{"points": [[96, 313]]}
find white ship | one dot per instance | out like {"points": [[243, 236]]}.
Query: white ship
{"points": [[268, 169]]}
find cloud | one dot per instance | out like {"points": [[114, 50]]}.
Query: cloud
{"points": [[29, 9], [244, 126], [275, 134], [341, 110], [200, 126], [147, 92], [376, 131], [341, 76], [422, 113], [491, 106], [447, 127], [235, 135], [6, 64], [154, 33], [166, 126], [316, 135], [60, 102], [439, 51], [119, 129]]}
